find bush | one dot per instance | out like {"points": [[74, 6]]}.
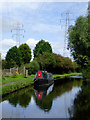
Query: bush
{"points": [[54, 63], [32, 67], [86, 72], [14, 76], [7, 75], [3, 77]]}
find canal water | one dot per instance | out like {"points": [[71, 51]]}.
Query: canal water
{"points": [[42, 102]]}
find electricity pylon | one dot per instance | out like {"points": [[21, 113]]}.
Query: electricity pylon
{"points": [[67, 23], [17, 28]]}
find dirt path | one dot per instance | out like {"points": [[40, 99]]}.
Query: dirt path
{"points": [[7, 84]]}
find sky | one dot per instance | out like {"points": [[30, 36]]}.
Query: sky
{"points": [[40, 20]]}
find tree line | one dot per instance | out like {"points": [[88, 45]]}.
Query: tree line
{"points": [[44, 59]]}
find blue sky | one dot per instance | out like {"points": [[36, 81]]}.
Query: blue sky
{"points": [[41, 20]]}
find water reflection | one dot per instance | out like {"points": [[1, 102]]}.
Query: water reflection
{"points": [[21, 97], [42, 91], [44, 99], [81, 105], [41, 99]]}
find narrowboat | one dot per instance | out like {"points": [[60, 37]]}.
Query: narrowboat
{"points": [[43, 78]]}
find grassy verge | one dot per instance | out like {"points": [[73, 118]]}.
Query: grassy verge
{"points": [[16, 86], [15, 78], [66, 75]]}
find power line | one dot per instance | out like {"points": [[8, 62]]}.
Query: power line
{"points": [[67, 23], [17, 28]]}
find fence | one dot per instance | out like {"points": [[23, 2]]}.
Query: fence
{"points": [[14, 70]]}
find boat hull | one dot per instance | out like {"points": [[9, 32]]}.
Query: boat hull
{"points": [[41, 82]]}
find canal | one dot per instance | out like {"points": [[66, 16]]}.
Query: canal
{"points": [[42, 102]]}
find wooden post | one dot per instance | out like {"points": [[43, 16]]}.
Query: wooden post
{"points": [[10, 71], [26, 73], [24, 69], [17, 69]]}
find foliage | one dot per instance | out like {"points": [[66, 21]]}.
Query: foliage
{"points": [[54, 63], [14, 76], [13, 58], [86, 72], [32, 67], [46, 61], [76, 67], [25, 52], [79, 43], [59, 63], [3, 64], [41, 47]]}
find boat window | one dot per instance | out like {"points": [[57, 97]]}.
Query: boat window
{"points": [[49, 75], [35, 75], [44, 75]]}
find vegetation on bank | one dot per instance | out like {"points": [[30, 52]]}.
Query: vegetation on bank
{"points": [[15, 78], [66, 75], [16, 86]]}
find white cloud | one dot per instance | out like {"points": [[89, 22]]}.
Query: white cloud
{"points": [[6, 44], [3, 53], [58, 48], [32, 42]]}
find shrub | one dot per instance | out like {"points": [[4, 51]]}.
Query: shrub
{"points": [[7, 75], [32, 67], [3, 77], [14, 76], [86, 72]]}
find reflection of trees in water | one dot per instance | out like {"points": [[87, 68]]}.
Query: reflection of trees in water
{"points": [[81, 105], [23, 97]]}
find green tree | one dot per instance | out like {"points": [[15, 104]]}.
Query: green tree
{"points": [[25, 52], [46, 61], [13, 57], [41, 47], [78, 42]]}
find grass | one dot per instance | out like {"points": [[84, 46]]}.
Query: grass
{"points": [[15, 78], [17, 85], [66, 75]]}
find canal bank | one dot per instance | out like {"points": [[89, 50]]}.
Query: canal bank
{"points": [[19, 83]]}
